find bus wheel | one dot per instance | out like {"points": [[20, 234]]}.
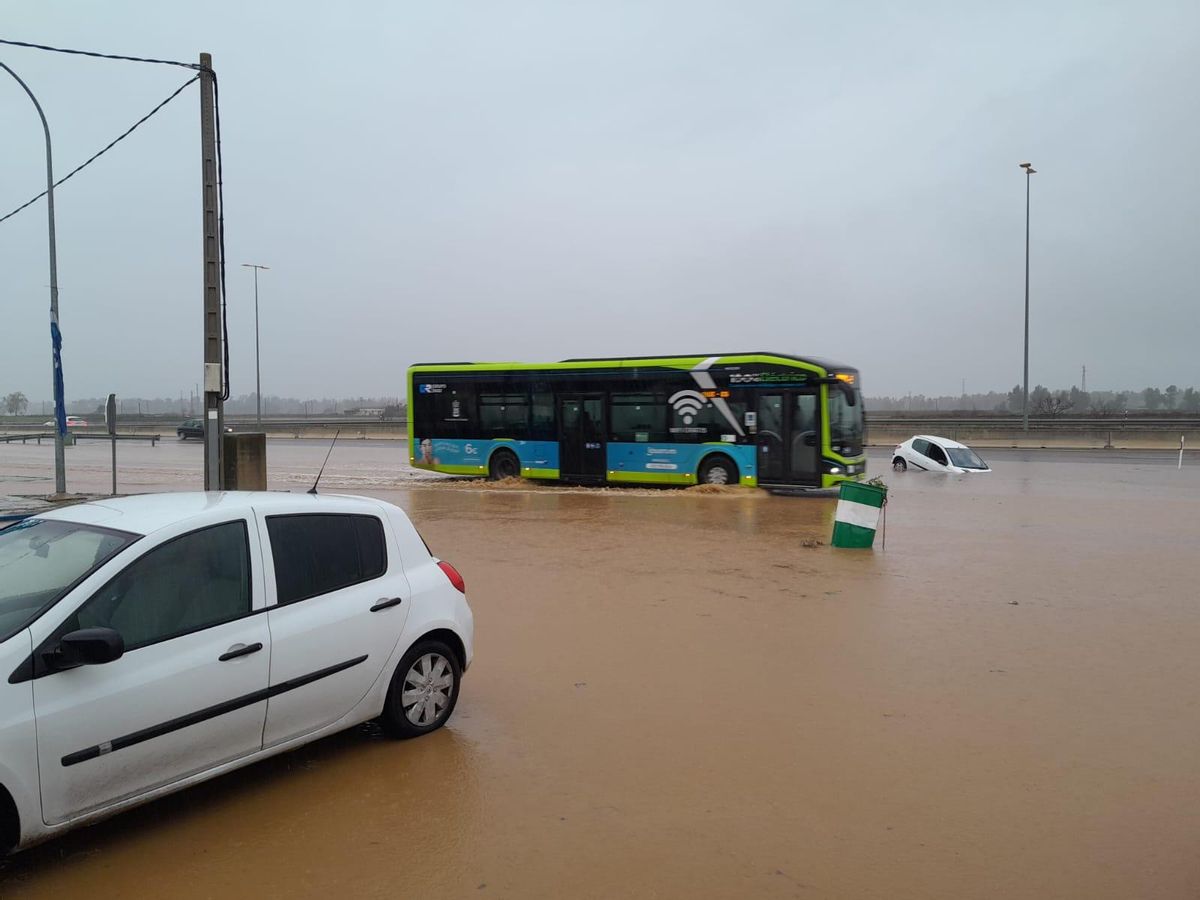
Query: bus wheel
{"points": [[503, 465], [718, 470]]}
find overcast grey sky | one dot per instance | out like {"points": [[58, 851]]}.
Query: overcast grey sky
{"points": [[539, 180]]}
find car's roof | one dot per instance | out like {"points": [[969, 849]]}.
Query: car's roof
{"points": [[146, 513], [945, 442]]}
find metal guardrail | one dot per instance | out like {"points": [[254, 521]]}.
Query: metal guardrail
{"points": [[49, 436], [1060, 422]]}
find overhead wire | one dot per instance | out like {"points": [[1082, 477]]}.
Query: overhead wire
{"points": [[93, 53], [109, 146], [225, 390]]}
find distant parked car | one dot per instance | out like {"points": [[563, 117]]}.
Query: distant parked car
{"points": [[72, 422], [195, 428], [148, 643], [930, 453]]}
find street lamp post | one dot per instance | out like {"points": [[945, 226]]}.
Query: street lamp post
{"points": [[257, 370], [1029, 171], [60, 412]]}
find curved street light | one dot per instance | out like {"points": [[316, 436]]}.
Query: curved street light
{"points": [[60, 413]]}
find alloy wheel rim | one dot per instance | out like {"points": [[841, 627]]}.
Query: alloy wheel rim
{"points": [[426, 689]]}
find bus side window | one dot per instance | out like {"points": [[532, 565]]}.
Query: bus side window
{"points": [[541, 415], [455, 411], [504, 415], [637, 418]]}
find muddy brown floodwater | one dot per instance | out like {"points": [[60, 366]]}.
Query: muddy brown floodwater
{"points": [[674, 697]]}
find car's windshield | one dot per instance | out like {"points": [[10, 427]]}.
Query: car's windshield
{"points": [[965, 458], [41, 559], [845, 424]]}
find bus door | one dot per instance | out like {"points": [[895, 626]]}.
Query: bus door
{"points": [[581, 437], [789, 438]]}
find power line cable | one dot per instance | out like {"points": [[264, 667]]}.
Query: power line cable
{"points": [[220, 179], [113, 143], [141, 59], [225, 394]]}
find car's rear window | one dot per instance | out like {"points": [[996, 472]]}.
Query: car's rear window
{"points": [[42, 559], [315, 553]]}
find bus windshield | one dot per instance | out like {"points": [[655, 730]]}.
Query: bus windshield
{"points": [[845, 424]]}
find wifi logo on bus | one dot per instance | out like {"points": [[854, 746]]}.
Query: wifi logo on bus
{"points": [[687, 404]]}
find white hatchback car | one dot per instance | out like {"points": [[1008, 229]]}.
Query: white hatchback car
{"points": [[937, 454], [152, 642]]}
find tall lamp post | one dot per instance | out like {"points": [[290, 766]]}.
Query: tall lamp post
{"points": [[60, 412], [257, 370], [1029, 171]]}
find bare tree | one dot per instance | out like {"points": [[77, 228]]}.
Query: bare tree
{"points": [[16, 403], [1051, 403]]}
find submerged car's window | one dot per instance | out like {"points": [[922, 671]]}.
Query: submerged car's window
{"points": [[845, 424], [921, 446], [41, 559], [965, 458], [318, 553], [936, 454], [194, 581]]}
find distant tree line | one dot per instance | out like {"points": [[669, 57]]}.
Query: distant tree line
{"points": [[1042, 402], [186, 405], [1052, 403]]}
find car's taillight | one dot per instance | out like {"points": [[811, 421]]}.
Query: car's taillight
{"points": [[452, 574]]}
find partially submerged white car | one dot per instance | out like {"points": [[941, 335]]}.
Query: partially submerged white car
{"points": [[930, 453], [151, 642]]}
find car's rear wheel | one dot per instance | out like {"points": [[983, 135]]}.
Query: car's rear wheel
{"points": [[504, 464], [899, 465], [423, 692]]}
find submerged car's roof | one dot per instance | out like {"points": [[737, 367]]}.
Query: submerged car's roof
{"points": [[146, 513], [945, 442]]}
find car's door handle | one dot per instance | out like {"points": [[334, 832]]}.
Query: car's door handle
{"points": [[385, 602], [240, 650]]}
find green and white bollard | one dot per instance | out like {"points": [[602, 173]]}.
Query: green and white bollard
{"points": [[857, 516]]}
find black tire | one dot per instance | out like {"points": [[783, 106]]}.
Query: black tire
{"points": [[504, 464], [400, 722], [899, 465], [718, 469]]}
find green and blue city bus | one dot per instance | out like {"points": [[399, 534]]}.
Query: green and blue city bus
{"points": [[755, 419]]}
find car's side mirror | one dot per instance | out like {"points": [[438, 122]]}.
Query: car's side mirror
{"points": [[87, 647]]}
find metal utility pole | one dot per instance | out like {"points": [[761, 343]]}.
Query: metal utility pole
{"points": [[257, 369], [214, 368], [1029, 171], [60, 411]]}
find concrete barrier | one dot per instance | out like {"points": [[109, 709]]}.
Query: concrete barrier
{"points": [[245, 460], [1061, 435], [1049, 437]]}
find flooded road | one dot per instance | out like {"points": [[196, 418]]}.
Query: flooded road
{"points": [[673, 696]]}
